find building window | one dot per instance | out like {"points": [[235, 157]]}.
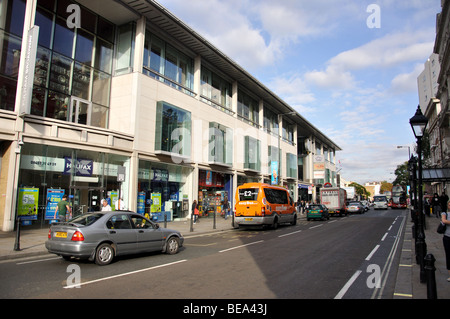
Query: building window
{"points": [[291, 165], [220, 144], [72, 65], [252, 153], [215, 89], [248, 109], [167, 64], [270, 122], [173, 130]]}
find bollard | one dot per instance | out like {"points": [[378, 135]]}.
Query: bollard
{"points": [[431, 278], [421, 251], [165, 220], [191, 229], [214, 224], [17, 243]]}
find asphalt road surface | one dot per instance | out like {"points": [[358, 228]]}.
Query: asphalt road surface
{"points": [[353, 257]]}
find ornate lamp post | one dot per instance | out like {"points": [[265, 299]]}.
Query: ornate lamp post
{"points": [[418, 124]]}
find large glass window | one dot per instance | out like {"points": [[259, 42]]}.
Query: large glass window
{"points": [[173, 130], [291, 165], [168, 64], [270, 121], [85, 176], [215, 89], [252, 153], [163, 187], [248, 109], [220, 144], [71, 64]]}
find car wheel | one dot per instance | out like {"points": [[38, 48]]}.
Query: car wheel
{"points": [[275, 223], [104, 254], [294, 222], [172, 245]]}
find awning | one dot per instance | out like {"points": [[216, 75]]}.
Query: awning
{"points": [[435, 174]]}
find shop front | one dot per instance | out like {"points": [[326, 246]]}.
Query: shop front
{"points": [[47, 173], [213, 189], [163, 190]]}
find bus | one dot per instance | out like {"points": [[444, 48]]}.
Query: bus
{"points": [[259, 204], [398, 199]]}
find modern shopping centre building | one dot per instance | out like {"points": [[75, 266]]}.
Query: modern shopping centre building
{"points": [[119, 99]]}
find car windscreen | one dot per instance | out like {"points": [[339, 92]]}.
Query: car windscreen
{"points": [[248, 194], [315, 207], [86, 219], [379, 199]]}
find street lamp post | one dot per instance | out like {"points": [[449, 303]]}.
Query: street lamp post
{"points": [[418, 124]]}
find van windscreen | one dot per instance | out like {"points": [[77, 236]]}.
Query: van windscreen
{"points": [[248, 194]]}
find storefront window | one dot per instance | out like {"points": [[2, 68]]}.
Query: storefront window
{"points": [[48, 172], [163, 188], [214, 189]]}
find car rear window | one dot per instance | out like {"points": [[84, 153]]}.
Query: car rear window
{"points": [[248, 194], [86, 219]]}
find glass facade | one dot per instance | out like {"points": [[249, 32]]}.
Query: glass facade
{"points": [[163, 188], [85, 176], [70, 63]]}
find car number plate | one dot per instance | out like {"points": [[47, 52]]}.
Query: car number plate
{"points": [[61, 234], [248, 219]]}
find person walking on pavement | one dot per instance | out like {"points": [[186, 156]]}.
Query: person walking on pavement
{"points": [[62, 211], [445, 218], [195, 211], [436, 205]]}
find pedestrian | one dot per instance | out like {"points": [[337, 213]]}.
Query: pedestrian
{"points": [[195, 211], [436, 205], [445, 218], [226, 207], [62, 211], [105, 206]]}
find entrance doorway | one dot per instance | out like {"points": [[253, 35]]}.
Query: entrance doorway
{"points": [[86, 199]]}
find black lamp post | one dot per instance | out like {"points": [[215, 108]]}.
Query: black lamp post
{"points": [[418, 124]]}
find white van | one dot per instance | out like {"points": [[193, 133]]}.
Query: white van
{"points": [[380, 202]]}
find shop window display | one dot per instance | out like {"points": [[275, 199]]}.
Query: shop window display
{"points": [[48, 172]]}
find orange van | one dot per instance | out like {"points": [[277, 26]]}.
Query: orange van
{"points": [[260, 204]]}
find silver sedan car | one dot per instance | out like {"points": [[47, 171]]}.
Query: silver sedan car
{"points": [[100, 236]]}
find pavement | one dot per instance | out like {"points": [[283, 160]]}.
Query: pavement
{"points": [[31, 243]]}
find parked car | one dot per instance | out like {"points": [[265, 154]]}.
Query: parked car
{"points": [[100, 236], [317, 211], [355, 207]]}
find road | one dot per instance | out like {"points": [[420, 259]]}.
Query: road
{"points": [[353, 257]]}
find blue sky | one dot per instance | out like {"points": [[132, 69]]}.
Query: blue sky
{"points": [[356, 84]]}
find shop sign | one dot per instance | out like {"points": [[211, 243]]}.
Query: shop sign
{"points": [[160, 175], [83, 167]]}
